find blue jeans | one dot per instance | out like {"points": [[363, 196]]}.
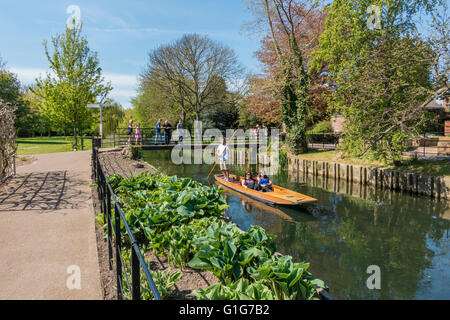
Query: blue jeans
{"points": [[158, 134], [167, 137]]}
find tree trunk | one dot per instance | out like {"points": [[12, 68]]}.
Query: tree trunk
{"points": [[75, 136]]}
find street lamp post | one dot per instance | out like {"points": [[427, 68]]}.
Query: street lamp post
{"points": [[99, 105]]}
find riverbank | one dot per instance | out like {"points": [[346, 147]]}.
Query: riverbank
{"points": [[437, 187], [432, 167]]}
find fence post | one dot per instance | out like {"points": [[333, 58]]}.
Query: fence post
{"points": [[424, 142], [323, 142], [108, 218], [135, 273], [118, 253]]}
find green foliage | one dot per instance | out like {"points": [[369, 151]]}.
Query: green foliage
{"points": [[288, 280], [77, 82], [180, 218], [154, 203], [112, 118], [152, 104], [246, 118], [242, 289], [295, 105], [228, 254], [283, 160], [322, 127], [135, 152], [164, 281], [177, 241], [9, 86], [382, 75]]}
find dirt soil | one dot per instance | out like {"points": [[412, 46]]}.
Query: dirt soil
{"points": [[20, 162], [114, 162], [192, 279]]}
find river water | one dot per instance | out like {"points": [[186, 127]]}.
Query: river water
{"points": [[350, 229]]}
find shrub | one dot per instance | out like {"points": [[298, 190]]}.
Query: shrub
{"points": [[322, 127], [135, 152]]}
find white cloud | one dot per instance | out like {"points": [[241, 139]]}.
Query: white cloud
{"points": [[124, 85]]}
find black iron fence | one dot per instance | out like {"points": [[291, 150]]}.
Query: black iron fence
{"points": [[109, 203], [150, 137]]}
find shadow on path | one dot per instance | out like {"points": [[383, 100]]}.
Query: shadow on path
{"points": [[43, 191]]}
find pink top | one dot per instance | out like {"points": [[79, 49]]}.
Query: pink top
{"points": [[138, 132]]}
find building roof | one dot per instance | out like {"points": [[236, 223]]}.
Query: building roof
{"points": [[433, 105]]}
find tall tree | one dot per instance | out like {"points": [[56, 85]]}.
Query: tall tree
{"points": [[382, 73], [265, 98], [189, 70], [292, 80], [152, 104], [75, 81]]}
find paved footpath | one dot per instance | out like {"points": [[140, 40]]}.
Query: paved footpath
{"points": [[47, 230]]}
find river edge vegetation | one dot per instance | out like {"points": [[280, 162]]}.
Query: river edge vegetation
{"points": [[182, 218], [413, 165]]}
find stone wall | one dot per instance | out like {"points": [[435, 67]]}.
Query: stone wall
{"points": [[415, 183]]}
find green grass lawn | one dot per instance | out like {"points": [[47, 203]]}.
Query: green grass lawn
{"points": [[36, 145], [431, 167]]}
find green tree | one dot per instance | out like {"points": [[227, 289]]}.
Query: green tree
{"points": [[75, 82], [382, 69], [293, 81], [112, 118], [12, 93], [189, 71], [152, 104]]}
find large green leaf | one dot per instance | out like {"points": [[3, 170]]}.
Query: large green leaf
{"points": [[198, 263]]}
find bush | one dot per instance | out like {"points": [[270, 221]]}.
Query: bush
{"points": [[322, 127], [135, 152]]}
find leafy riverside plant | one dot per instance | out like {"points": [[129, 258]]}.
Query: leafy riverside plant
{"points": [[164, 281], [154, 203], [228, 254], [180, 218]]}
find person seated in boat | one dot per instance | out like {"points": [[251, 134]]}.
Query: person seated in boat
{"points": [[248, 182], [264, 184], [260, 176]]}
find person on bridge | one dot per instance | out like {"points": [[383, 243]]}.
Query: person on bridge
{"points": [[180, 132], [130, 131], [167, 132], [138, 134], [158, 132]]}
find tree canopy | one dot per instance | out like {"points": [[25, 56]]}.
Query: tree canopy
{"points": [[189, 71], [75, 80], [382, 74]]}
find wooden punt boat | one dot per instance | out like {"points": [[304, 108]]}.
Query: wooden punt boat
{"points": [[258, 204], [280, 195]]}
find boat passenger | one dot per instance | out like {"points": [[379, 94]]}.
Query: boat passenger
{"points": [[248, 182], [264, 184]]}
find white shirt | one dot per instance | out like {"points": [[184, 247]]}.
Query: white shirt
{"points": [[222, 151]]}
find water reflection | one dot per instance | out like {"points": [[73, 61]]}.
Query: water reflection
{"points": [[352, 228]]}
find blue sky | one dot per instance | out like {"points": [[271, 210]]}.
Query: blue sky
{"points": [[122, 32]]}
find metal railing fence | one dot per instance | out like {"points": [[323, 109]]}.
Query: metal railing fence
{"points": [[108, 201]]}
